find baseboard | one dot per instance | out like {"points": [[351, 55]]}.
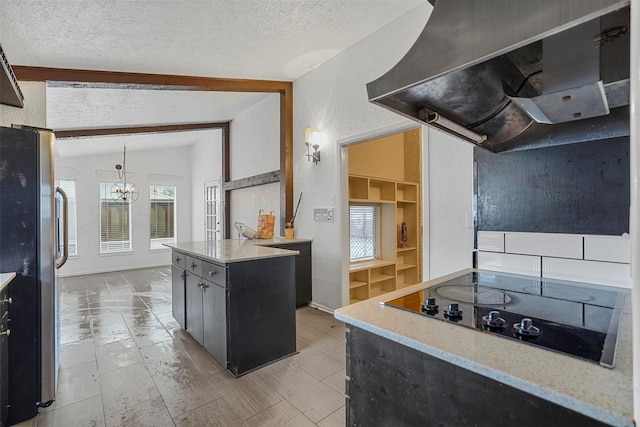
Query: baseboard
{"points": [[112, 270], [321, 307]]}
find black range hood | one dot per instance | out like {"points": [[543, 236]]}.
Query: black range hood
{"points": [[10, 93], [510, 75]]}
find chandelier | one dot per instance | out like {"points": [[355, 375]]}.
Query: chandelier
{"points": [[124, 191]]}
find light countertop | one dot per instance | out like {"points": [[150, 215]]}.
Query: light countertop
{"points": [[585, 387], [5, 278], [227, 251], [278, 241]]}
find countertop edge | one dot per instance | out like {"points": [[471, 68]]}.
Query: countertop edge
{"points": [[373, 325], [263, 252]]}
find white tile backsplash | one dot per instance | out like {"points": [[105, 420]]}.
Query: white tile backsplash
{"points": [[492, 241], [544, 244], [509, 263], [602, 273], [607, 248]]}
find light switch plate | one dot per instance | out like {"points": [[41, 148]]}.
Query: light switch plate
{"points": [[323, 214]]}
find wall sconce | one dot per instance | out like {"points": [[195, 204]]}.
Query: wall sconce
{"points": [[308, 141]]}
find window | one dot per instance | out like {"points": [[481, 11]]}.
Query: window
{"points": [[115, 222], [69, 187], [163, 215], [363, 232]]}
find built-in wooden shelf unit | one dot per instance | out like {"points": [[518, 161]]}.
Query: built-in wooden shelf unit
{"points": [[387, 172]]}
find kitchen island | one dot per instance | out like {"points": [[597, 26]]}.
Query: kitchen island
{"points": [[237, 299], [406, 369]]}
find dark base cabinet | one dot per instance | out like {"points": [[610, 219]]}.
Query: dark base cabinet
{"points": [[303, 270], [390, 384], [242, 313], [178, 296], [4, 357]]}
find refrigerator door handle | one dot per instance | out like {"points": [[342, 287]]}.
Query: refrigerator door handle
{"points": [[65, 222]]}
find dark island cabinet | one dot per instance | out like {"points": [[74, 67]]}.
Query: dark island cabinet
{"points": [[193, 307], [178, 295], [4, 356], [303, 269], [242, 313], [389, 384]]}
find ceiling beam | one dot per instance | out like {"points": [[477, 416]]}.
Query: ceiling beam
{"points": [[116, 79], [81, 133], [146, 81]]}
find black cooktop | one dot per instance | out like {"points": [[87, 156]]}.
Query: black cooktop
{"points": [[573, 318]]}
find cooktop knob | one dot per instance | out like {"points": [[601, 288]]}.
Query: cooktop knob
{"points": [[453, 310], [430, 306], [525, 328], [493, 320]]}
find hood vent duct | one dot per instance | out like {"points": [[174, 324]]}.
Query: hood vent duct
{"points": [[10, 93], [510, 75]]}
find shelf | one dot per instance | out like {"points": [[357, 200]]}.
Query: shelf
{"points": [[404, 285], [406, 201], [407, 192], [370, 201], [405, 266], [358, 188], [377, 292], [406, 249], [364, 265], [381, 278], [353, 284]]}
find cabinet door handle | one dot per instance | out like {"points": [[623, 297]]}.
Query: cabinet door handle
{"points": [[177, 259], [193, 265], [204, 286], [183, 274], [212, 273], [7, 332], [200, 284], [9, 300]]}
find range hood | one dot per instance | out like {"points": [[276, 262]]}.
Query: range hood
{"points": [[10, 93], [512, 75]]}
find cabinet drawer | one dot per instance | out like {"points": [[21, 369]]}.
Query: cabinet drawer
{"points": [[194, 265], [215, 273], [178, 259]]}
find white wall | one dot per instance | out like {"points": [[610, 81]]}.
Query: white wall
{"points": [[34, 111], [450, 188], [333, 99], [206, 165], [255, 149], [168, 166]]}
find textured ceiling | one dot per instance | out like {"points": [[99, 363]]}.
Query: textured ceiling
{"points": [[77, 147], [257, 39], [82, 108], [252, 39]]}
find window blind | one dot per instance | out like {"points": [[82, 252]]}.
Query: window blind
{"points": [[362, 232], [162, 219], [115, 222]]}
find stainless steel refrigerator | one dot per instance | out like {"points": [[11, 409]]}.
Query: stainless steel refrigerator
{"points": [[28, 247]]}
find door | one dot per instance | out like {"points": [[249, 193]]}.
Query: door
{"points": [[212, 214], [214, 319], [194, 307], [178, 295]]}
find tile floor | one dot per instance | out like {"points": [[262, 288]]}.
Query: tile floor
{"points": [[126, 362]]}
